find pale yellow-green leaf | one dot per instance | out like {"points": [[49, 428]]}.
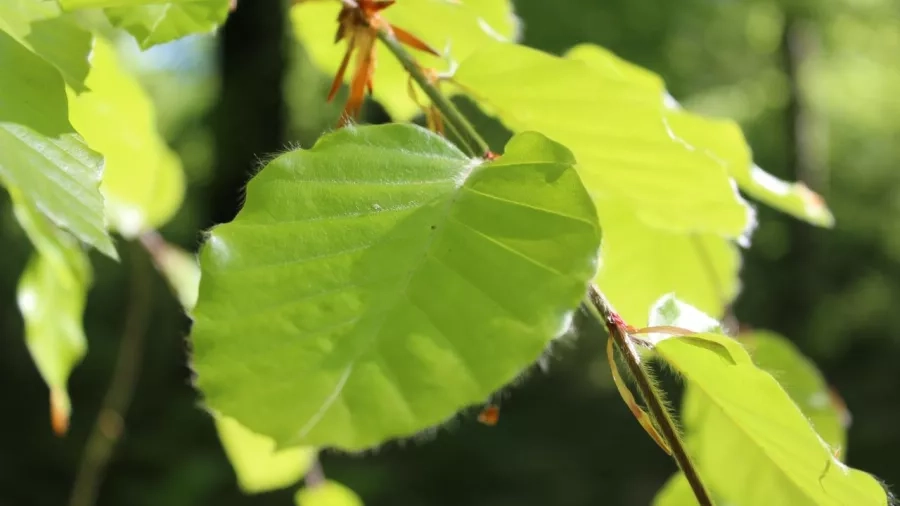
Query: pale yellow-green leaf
{"points": [[143, 181], [748, 439], [612, 115], [258, 464], [640, 264], [329, 493], [724, 140], [51, 297], [457, 27]]}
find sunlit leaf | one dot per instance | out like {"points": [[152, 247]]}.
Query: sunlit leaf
{"points": [[318, 321], [803, 382], [329, 493], [456, 26], [38, 25], [735, 409], [701, 269], [154, 22], [676, 492], [612, 116], [723, 139], [258, 465], [142, 181], [51, 297]]}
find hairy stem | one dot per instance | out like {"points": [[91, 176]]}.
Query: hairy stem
{"points": [[456, 119], [111, 418], [652, 396]]}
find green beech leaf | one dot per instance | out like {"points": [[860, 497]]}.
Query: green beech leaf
{"points": [[376, 283], [677, 492], [142, 180], [749, 440], [41, 158], [258, 465], [724, 140], [154, 22], [802, 380], [32, 92], [458, 27], [51, 297], [39, 26], [701, 269], [613, 117], [329, 493]]}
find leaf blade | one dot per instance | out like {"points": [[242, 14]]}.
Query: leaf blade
{"points": [[370, 338]]}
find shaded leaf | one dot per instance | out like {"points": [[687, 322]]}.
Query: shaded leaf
{"points": [[258, 465], [142, 180], [612, 116], [329, 493], [51, 296], [39, 26], [750, 442], [458, 27], [382, 280], [32, 92]]}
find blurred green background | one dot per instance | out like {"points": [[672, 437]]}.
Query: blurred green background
{"points": [[814, 83]]}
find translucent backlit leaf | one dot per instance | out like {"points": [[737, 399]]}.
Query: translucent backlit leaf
{"points": [[51, 297], [613, 117], [749, 440], [458, 27], [699, 268], [142, 181], [378, 282], [724, 140], [329, 493], [258, 465]]}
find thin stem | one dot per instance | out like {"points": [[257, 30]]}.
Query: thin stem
{"points": [[453, 115], [315, 477], [111, 418], [650, 393]]}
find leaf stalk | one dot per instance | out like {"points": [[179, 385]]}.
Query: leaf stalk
{"points": [[649, 391], [457, 120]]}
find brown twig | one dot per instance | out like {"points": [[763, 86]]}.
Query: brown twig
{"points": [[111, 418], [652, 397]]}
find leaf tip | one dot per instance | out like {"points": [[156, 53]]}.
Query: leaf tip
{"points": [[60, 408]]}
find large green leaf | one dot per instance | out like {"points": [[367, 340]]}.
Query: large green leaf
{"points": [[258, 464], [613, 117], [376, 283], [154, 22], [330, 493], [458, 27], [39, 26], [142, 181], [701, 269], [750, 442], [51, 297]]}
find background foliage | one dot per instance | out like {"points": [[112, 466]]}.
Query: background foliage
{"points": [[813, 86]]}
